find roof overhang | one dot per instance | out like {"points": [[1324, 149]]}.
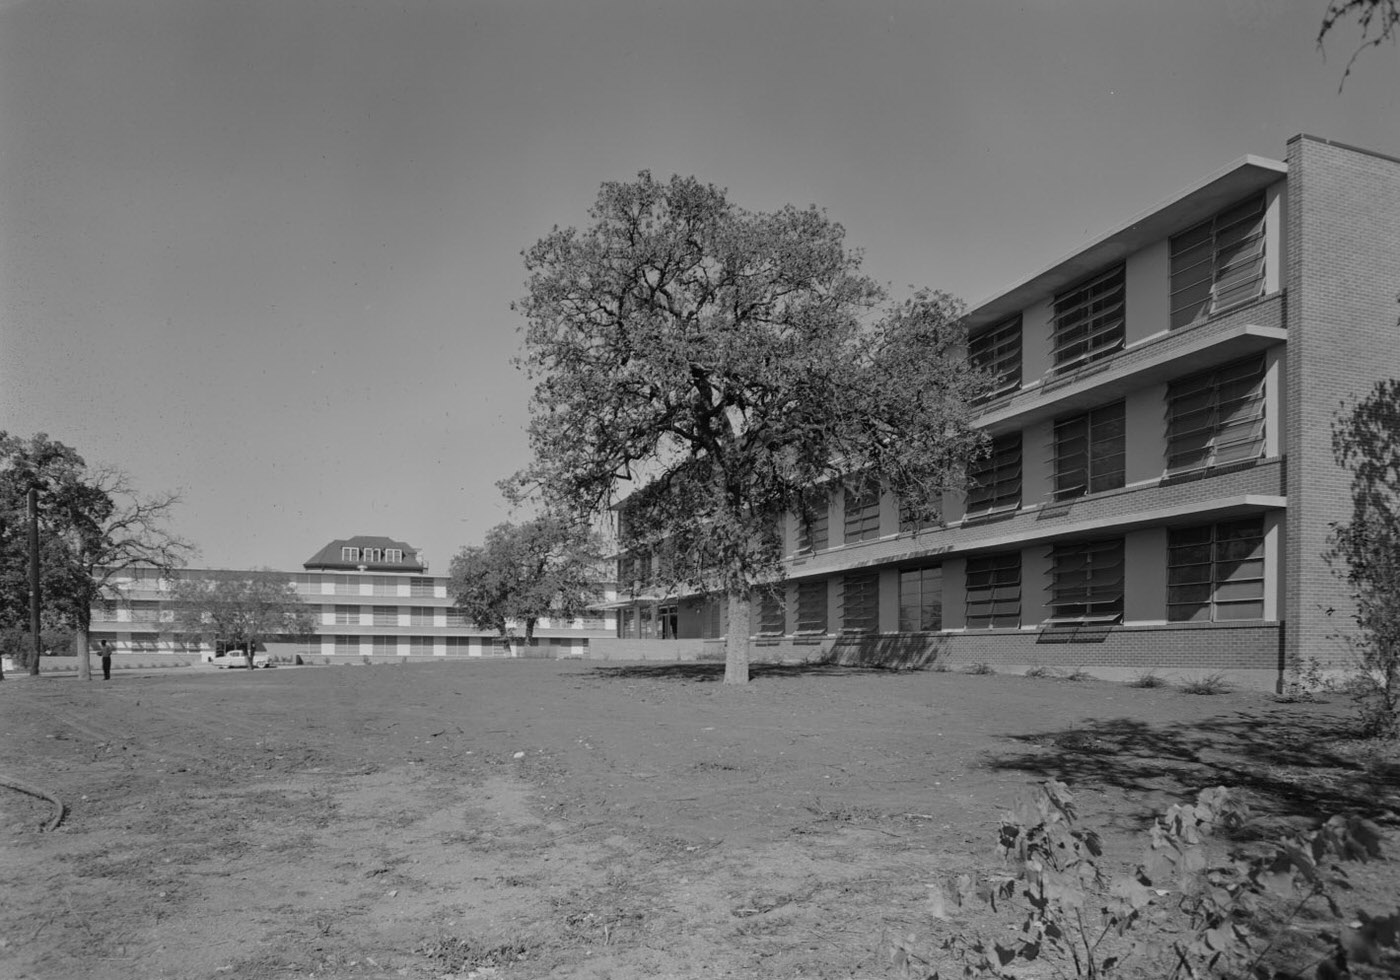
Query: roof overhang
{"points": [[1196, 203]]}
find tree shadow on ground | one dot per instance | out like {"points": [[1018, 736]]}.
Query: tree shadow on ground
{"points": [[708, 671], [1289, 766]]}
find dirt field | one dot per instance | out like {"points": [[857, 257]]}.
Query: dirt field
{"points": [[537, 818]]}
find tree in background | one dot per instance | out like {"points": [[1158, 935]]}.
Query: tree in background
{"points": [[94, 530], [239, 610], [1366, 549], [523, 573], [724, 363], [1379, 16]]}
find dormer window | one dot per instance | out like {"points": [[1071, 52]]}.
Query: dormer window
{"points": [[368, 555], [393, 556], [350, 554]]}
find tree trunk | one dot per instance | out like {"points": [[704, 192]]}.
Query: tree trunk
{"points": [[80, 643], [736, 643]]}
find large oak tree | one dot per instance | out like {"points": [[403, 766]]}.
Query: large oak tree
{"points": [[719, 368]]}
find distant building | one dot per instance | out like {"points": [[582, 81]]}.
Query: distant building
{"points": [[373, 599], [1161, 482]]}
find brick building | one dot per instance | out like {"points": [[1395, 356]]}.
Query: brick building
{"points": [[372, 597], [1161, 482]]}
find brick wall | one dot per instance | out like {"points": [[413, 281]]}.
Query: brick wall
{"points": [[1343, 273]]}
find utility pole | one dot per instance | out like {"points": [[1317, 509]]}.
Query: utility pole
{"points": [[34, 598]]}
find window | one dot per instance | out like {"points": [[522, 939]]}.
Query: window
{"points": [[1089, 452], [860, 602], [812, 530], [457, 618], [910, 521], [421, 587], [420, 616], [1086, 582], [862, 511], [394, 556], [1215, 573], [1218, 264], [386, 616], [385, 646], [772, 612], [811, 607], [1216, 418], [994, 591], [420, 646], [1088, 321], [460, 646], [347, 615], [711, 620], [997, 350], [347, 645], [347, 585], [144, 642], [350, 554], [921, 599], [145, 612], [996, 478], [385, 585]]}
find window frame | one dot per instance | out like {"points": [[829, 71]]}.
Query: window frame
{"points": [[771, 609], [1218, 264], [1201, 416], [351, 555], [814, 535], [1100, 471], [997, 350], [813, 615], [860, 518], [996, 478], [1000, 586], [860, 602], [1087, 582], [921, 599], [1217, 570], [1088, 320]]}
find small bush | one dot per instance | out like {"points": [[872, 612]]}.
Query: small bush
{"points": [[1209, 684], [1079, 674], [1148, 679], [979, 668], [1040, 671]]}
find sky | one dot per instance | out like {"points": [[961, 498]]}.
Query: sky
{"points": [[263, 252]]}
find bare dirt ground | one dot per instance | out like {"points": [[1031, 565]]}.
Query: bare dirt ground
{"points": [[566, 819]]}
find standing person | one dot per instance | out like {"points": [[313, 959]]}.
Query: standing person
{"points": [[105, 652]]}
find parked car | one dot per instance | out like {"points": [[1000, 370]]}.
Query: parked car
{"points": [[234, 658]]}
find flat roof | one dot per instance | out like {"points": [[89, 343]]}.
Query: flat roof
{"points": [[1245, 176]]}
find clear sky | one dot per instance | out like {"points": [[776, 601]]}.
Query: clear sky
{"points": [[262, 252]]}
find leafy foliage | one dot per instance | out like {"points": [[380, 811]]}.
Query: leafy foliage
{"points": [[1366, 550], [94, 527], [1205, 684], [1177, 915], [721, 364], [240, 610], [525, 572]]}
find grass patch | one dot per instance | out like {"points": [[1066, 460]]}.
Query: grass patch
{"points": [[1148, 679], [1078, 675], [1040, 671], [980, 669]]}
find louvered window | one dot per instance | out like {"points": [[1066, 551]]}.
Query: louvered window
{"points": [[384, 646], [862, 517], [1089, 452], [1216, 418], [994, 591], [921, 599], [997, 350], [347, 585], [386, 616], [1218, 264], [1089, 320], [811, 607], [860, 602], [909, 521], [996, 478], [1086, 582], [772, 614], [347, 615], [812, 530], [347, 645], [420, 646], [422, 587], [1215, 572]]}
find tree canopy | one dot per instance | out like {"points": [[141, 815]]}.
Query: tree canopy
{"points": [[719, 368], [94, 528], [240, 610], [1379, 21], [523, 573]]}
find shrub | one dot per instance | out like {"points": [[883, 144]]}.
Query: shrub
{"points": [[1148, 679], [979, 668], [1040, 671], [1197, 918], [1079, 674], [1207, 684]]}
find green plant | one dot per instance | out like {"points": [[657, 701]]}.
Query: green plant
{"points": [[1079, 674], [1205, 684], [1148, 679], [1197, 918], [1040, 670], [979, 668]]}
